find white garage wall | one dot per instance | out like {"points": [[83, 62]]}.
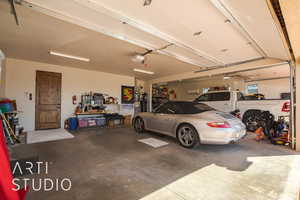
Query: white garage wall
{"points": [[182, 87], [20, 81], [272, 88]]}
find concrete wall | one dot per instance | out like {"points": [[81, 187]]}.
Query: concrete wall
{"points": [[182, 87], [272, 88], [20, 81], [219, 71]]}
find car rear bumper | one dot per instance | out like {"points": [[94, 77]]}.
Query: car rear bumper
{"points": [[239, 136], [231, 138]]}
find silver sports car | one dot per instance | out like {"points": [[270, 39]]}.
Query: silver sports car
{"points": [[191, 123]]}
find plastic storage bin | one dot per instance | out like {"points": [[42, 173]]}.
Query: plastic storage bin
{"points": [[101, 121], [73, 123], [6, 107], [82, 123], [115, 120], [92, 122]]}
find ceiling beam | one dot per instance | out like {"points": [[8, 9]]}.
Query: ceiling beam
{"points": [[238, 26], [267, 79], [95, 5], [231, 64], [282, 31], [259, 64]]}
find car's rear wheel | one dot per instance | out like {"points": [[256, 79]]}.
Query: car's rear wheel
{"points": [[251, 119], [139, 125], [187, 136]]}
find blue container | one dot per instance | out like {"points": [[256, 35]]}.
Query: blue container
{"points": [[6, 107], [73, 123], [101, 121]]}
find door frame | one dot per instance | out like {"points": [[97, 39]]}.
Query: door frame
{"points": [[37, 97]]}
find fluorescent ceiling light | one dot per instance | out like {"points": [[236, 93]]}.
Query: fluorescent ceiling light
{"points": [[142, 71], [69, 56], [226, 77]]}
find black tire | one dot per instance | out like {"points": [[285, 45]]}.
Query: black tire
{"points": [[251, 119], [139, 125], [190, 138]]}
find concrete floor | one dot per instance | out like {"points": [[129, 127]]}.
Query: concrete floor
{"points": [[110, 164]]}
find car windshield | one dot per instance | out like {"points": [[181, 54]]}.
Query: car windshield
{"points": [[182, 107], [193, 108]]}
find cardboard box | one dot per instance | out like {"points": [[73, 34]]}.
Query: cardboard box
{"points": [[127, 120], [115, 122]]}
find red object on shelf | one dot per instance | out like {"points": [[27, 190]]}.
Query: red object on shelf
{"points": [[286, 107], [74, 99], [6, 177], [6, 101]]}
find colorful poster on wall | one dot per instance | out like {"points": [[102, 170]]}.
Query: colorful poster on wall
{"points": [[127, 95]]}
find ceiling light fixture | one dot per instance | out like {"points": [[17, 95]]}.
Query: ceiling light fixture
{"points": [[226, 77], [142, 71], [197, 33], [69, 56], [147, 2]]}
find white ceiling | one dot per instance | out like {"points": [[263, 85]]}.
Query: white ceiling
{"points": [[282, 71], [251, 33], [39, 33], [181, 20]]}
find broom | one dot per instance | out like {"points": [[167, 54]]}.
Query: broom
{"points": [[10, 131]]}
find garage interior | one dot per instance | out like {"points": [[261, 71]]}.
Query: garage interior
{"points": [[189, 89], [76, 74]]}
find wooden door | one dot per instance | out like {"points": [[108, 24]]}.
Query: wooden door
{"points": [[48, 100]]}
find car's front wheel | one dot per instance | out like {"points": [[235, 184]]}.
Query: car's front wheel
{"points": [[187, 136], [139, 125]]}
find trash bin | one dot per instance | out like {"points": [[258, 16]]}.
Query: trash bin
{"points": [[73, 123]]}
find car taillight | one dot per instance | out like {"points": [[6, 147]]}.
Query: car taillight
{"points": [[219, 124], [286, 107]]}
